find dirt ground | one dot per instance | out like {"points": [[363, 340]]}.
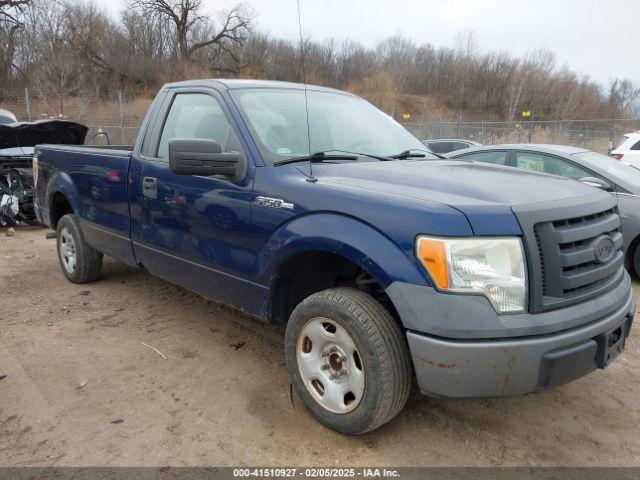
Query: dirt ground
{"points": [[74, 361]]}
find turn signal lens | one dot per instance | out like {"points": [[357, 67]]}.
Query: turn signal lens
{"points": [[433, 254]]}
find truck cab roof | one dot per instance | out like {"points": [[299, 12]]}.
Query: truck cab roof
{"points": [[235, 84]]}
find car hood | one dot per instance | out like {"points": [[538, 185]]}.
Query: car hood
{"points": [[30, 134], [484, 193]]}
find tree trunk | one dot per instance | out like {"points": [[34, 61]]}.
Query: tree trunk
{"points": [[6, 56], [183, 45]]}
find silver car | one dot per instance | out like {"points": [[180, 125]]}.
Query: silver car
{"points": [[580, 164], [446, 145], [6, 117]]}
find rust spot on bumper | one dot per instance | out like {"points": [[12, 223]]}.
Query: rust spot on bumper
{"points": [[425, 360], [447, 365]]}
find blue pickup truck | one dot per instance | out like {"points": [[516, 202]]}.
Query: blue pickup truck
{"points": [[310, 208]]}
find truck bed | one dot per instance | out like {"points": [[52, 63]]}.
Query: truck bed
{"points": [[95, 179]]}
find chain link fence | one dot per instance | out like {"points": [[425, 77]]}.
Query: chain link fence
{"points": [[120, 116], [600, 135], [117, 115]]}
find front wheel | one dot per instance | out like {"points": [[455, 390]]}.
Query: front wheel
{"points": [[80, 263], [348, 360]]}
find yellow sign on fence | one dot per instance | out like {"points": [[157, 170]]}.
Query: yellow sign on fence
{"points": [[526, 114]]}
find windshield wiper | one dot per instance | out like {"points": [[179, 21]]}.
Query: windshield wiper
{"points": [[360, 154], [409, 154], [317, 157]]}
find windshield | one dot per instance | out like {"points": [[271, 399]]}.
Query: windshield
{"points": [[615, 168], [337, 122]]}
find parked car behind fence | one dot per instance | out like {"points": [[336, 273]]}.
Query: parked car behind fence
{"points": [[629, 149], [7, 117], [446, 145]]}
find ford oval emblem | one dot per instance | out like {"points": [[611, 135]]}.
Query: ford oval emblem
{"points": [[603, 248]]}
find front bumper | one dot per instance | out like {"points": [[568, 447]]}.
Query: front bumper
{"points": [[515, 364]]}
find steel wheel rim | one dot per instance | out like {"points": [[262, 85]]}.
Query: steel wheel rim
{"points": [[67, 250], [330, 365]]}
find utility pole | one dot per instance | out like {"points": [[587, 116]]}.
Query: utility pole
{"points": [[121, 118], [460, 104], [613, 99], [27, 103], [613, 127]]}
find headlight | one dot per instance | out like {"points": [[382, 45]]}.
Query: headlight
{"points": [[493, 267]]}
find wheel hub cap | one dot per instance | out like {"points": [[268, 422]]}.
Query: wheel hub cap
{"points": [[67, 250], [330, 365]]}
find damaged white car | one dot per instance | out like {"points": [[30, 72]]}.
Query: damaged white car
{"points": [[17, 143]]}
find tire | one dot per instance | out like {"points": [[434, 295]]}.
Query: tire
{"points": [[636, 260], [377, 374], [79, 262]]}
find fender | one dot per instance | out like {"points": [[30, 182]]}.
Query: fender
{"points": [[342, 235], [61, 182]]}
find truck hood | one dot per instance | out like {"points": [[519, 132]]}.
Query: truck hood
{"points": [[30, 134], [484, 193]]}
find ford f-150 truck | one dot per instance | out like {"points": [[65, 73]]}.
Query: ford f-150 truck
{"points": [[310, 208]]}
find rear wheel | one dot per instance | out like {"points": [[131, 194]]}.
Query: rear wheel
{"points": [[636, 260], [348, 360], [80, 263]]}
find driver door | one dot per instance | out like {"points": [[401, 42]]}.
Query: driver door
{"points": [[193, 230]]}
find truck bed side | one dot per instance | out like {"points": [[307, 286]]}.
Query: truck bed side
{"points": [[92, 183]]}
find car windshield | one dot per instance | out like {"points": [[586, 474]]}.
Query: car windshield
{"points": [[337, 122], [615, 168]]}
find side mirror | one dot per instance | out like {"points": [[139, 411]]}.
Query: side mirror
{"points": [[598, 183], [197, 156]]}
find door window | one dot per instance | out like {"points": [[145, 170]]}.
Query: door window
{"points": [[194, 115], [540, 162], [496, 158]]}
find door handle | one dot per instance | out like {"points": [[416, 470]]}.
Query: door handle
{"points": [[150, 187]]}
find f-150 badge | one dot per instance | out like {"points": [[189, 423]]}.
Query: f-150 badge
{"points": [[273, 203]]}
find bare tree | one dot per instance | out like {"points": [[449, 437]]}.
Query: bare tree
{"points": [[11, 23], [194, 31], [10, 10], [72, 51]]}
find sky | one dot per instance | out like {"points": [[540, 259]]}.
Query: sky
{"points": [[598, 38]]}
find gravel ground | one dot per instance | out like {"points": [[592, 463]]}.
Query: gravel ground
{"points": [[82, 389]]}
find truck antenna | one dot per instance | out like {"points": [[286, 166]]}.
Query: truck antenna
{"points": [[310, 178]]}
